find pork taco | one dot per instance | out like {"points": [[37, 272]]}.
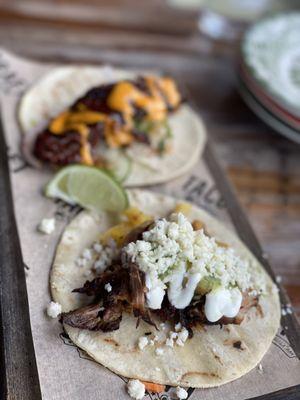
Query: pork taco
{"points": [[164, 293], [135, 125]]}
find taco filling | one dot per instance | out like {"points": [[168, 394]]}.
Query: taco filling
{"points": [[164, 271], [111, 116], [164, 293]]}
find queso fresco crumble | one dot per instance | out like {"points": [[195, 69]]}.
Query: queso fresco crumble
{"points": [[175, 257]]}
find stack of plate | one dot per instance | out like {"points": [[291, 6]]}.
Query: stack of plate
{"points": [[270, 72]]}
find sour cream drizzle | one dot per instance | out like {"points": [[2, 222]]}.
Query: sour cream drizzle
{"points": [[175, 258], [180, 295], [222, 302]]}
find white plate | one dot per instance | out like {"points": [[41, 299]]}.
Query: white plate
{"points": [[271, 53], [270, 119]]}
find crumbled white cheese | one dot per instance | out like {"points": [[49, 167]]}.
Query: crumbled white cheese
{"points": [[81, 262], [159, 351], [173, 335], [175, 258], [151, 342], [286, 310], [143, 341], [87, 254], [183, 335], [136, 389], [47, 225], [260, 368], [275, 289], [97, 247], [87, 273], [170, 342], [253, 293], [181, 393], [100, 265], [178, 327], [106, 254], [98, 256], [157, 369], [53, 309], [278, 279], [108, 287]]}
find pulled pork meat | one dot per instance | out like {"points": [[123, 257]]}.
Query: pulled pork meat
{"points": [[128, 295], [128, 290]]}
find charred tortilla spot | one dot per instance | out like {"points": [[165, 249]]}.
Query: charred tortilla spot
{"points": [[112, 341], [218, 359], [199, 373], [238, 345], [197, 225], [259, 311]]}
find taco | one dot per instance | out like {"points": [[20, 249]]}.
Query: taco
{"points": [[135, 125], [164, 293]]}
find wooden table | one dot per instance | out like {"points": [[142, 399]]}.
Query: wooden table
{"points": [[263, 167]]}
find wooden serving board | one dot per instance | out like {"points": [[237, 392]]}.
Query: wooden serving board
{"points": [[20, 379]]}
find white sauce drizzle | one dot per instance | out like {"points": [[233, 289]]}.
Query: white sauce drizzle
{"points": [[181, 295], [222, 302]]}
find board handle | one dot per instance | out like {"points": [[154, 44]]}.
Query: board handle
{"points": [[19, 375]]}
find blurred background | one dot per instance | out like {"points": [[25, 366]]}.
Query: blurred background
{"points": [[254, 128]]}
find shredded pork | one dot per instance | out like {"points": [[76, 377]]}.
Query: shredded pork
{"points": [[128, 290]]}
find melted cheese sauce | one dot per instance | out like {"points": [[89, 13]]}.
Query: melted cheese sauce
{"points": [[124, 98]]}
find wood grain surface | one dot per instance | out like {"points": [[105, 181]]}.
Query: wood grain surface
{"points": [[19, 378], [263, 167]]}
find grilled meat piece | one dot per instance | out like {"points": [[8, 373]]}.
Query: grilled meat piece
{"points": [[93, 318], [95, 99], [58, 149], [64, 149], [113, 275], [127, 294], [140, 136]]}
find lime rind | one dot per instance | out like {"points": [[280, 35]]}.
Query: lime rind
{"points": [[90, 187]]}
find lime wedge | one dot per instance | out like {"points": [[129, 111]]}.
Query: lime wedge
{"points": [[89, 187], [57, 187]]}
